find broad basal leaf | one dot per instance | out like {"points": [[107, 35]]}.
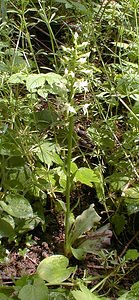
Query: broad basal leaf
{"points": [[93, 242], [35, 81], [86, 176], [84, 223], [17, 206], [54, 269]]}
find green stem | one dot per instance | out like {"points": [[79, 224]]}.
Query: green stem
{"points": [[68, 186]]}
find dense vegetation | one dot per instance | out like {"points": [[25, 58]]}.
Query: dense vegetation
{"points": [[69, 122]]}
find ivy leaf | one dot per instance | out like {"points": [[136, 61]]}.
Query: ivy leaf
{"points": [[54, 269], [86, 176]]}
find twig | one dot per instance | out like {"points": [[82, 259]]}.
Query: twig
{"points": [[127, 245]]}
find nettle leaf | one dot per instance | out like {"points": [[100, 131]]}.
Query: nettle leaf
{"points": [[86, 176], [132, 254], [37, 291], [84, 223], [35, 81], [54, 269], [17, 206]]}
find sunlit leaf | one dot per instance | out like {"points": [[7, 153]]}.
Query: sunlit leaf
{"points": [[54, 269], [35, 81], [17, 78], [86, 176]]}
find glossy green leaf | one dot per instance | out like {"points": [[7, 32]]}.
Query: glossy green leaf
{"points": [[84, 223], [86, 176], [37, 291], [6, 229], [17, 206], [54, 269]]}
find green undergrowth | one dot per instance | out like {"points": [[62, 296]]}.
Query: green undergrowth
{"points": [[69, 122]]}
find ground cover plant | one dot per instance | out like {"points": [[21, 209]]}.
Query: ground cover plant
{"points": [[69, 120]]}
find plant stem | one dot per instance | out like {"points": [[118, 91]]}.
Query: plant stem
{"points": [[68, 185]]}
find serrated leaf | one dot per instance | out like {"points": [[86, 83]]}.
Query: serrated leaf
{"points": [[54, 269], [53, 78], [45, 153], [84, 223], [17, 78], [86, 176], [37, 291], [17, 206], [35, 81]]}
